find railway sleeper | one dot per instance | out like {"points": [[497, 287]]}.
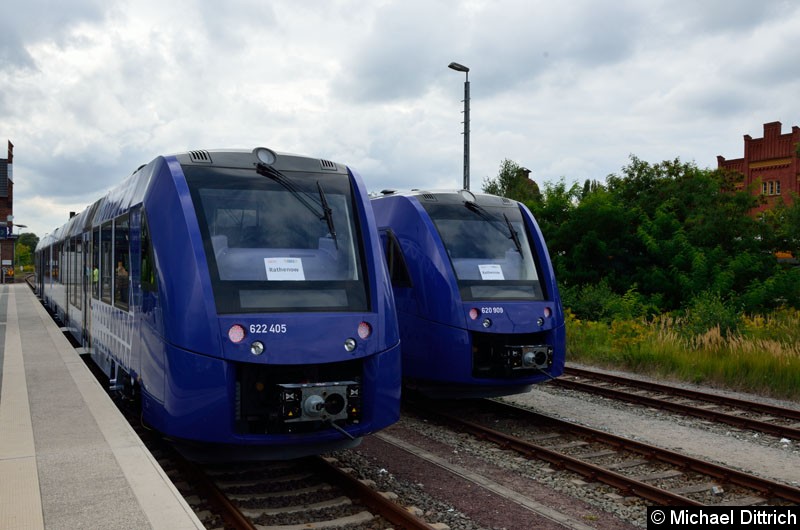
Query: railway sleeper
{"points": [[317, 506]]}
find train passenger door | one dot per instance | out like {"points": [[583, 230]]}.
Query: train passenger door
{"points": [[94, 283]]}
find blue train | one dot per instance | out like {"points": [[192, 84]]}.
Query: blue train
{"points": [[241, 295], [477, 301]]}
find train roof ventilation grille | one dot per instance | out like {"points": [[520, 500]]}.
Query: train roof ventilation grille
{"points": [[506, 200], [327, 165], [202, 157], [429, 197]]}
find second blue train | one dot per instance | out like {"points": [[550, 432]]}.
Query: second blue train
{"points": [[476, 296]]}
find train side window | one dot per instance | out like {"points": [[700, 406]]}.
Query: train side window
{"points": [[398, 270], [96, 263], [106, 262], [148, 264], [57, 263], [66, 265], [122, 262], [77, 273]]}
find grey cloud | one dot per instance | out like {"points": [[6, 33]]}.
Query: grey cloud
{"points": [[406, 49], [27, 21]]}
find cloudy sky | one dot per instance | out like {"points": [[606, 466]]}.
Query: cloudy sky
{"points": [[91, 89]]}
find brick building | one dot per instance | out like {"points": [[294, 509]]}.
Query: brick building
{"points": [[771, 162], [7, 236]]}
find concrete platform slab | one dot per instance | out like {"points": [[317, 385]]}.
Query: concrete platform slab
{"points": [[68, 459]]}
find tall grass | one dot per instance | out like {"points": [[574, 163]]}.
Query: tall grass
{"points": [[762, 356]]}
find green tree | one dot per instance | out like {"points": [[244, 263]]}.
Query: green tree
{"points": [[513, 181], [552, 214], [25, 244], [28, 239], [671, 235], [24, 256], [598, 242], [695, 231]]}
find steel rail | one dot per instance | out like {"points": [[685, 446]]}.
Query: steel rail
{"points": [[205, 485], [386, 508], [561, 461], [683, 408], [686, 392], [724, 474]]}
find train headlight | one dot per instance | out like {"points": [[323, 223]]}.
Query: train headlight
{"points": [[487, 322], [350, 344], [236, 333], [364, 330], [547, 312], [474, 313], [540, 321], [257, 348]]}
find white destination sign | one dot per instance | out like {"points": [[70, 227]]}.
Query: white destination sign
{"points": [[284, 269], [491, 272]]}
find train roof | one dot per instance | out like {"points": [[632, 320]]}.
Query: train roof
{"points": [[131, 191], [448, 196], [279, 160]]}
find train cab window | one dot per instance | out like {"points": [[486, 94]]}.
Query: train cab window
{"points": [[148, 263], [282, 242], [398, 270], [489, 249], [122, 262], [106, 262], [95, 273]]}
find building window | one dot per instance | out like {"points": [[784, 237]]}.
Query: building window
{"points": [[771, 187]]}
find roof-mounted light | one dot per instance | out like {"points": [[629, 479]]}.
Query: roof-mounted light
{"points": [[265, 156]]}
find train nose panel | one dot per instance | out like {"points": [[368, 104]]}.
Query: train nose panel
{"points": [[521, 357], [320, 401], [509, 355]]}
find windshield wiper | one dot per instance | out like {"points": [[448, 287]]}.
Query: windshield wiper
{"points": [[327, 214], [512, 234], [283, 180]]}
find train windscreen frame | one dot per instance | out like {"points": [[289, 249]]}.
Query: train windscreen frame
{"points": [[285, 244], [489, 250]]}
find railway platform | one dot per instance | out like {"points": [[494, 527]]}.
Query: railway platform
{"points": [[68, 459]]}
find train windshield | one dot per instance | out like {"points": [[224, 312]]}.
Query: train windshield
{"points": [[279, 241], [489, 249]]}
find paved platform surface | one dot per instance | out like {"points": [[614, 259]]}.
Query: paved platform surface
{"points": [[68, 459]]}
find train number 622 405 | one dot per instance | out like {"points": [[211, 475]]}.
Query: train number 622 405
{"points": [[267, 328]]}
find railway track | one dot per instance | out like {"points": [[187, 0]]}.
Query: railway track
{"points": [[757, 416], [308, 493], [636, 469]]}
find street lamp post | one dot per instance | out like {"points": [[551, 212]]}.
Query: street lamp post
{"points": [[461, 68]]}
